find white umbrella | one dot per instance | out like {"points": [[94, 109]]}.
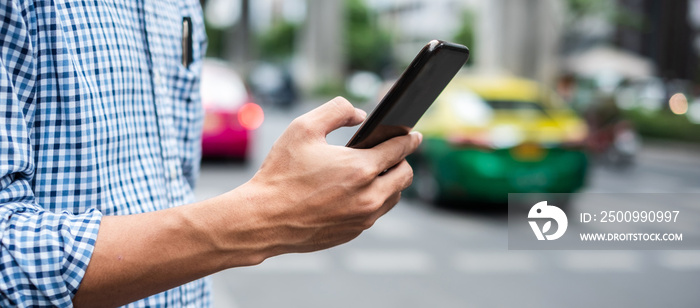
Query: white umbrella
{"points": [[607, 60]]}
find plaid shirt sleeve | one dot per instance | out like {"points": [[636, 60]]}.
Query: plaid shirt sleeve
{"points": [[43, 255]]}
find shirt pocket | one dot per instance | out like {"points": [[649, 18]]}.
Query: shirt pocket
{"points": [[187, 105], [188, 112]]}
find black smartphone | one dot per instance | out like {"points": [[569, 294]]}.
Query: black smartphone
{"points": [[419, 85]]}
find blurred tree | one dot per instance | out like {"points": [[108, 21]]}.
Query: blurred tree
{"points": [[215, 41], [579, 8], [277, 44], [609, 9], [228, 28], [576, 33], [465, 34], [367, 46]]}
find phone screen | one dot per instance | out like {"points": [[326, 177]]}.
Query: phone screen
{"points": [[420, 84]]}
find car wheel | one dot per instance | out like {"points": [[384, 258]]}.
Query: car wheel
{"points": [[425, 185]]}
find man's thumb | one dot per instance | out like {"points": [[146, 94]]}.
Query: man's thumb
{"points": [[334, 114]]}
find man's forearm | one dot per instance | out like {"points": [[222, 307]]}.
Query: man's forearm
{"points": [[139, 255]]}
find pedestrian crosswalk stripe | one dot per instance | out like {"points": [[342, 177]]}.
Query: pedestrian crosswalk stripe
{"points": [[297, 263], [389, 261], [492, 262], [592, 261], [681, 260]]}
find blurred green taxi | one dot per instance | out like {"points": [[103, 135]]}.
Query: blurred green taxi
{"points": [[485, 137]]}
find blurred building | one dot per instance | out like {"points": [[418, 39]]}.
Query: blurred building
{"points": [[666, 36], [521, 37], [413, 23], [321, 61]]}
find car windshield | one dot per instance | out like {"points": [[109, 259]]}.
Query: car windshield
{"points": [[221, 87]]}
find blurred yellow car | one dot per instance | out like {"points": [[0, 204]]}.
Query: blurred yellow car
{"points": [[485, 137]]}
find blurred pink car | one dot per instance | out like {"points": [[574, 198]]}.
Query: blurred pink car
{"points": [[229, 112]]}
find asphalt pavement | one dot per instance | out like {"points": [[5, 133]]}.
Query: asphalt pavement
{"points": [[419, 255]]}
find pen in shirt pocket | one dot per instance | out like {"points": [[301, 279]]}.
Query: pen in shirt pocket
{"points": [[186, 41]]}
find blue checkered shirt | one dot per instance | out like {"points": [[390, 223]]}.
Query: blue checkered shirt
{"points": [[97, 117]]}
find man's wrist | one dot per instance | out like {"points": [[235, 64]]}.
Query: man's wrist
{"points": [[233, 228]]}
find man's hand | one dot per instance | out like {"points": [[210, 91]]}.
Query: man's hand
{"points": [[315, 195], [307, 196]]}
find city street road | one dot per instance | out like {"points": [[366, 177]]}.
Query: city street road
{"points": [[419, 255]]}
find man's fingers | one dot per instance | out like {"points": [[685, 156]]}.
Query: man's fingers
{"points": [[397, 179], [386, 207], [391, 152], [332, 115], [393, 182]]}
